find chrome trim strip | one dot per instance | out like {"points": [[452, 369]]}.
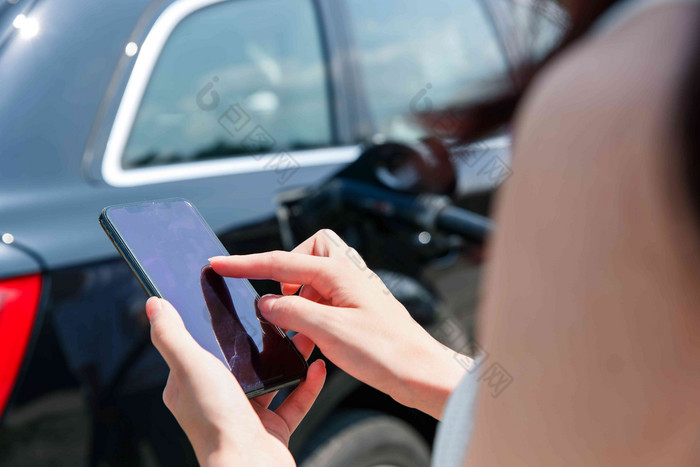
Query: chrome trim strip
{"points": [[112, 171], [232, 165]]}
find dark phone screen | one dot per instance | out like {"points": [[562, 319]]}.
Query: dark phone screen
{"points": [[172, 244]]}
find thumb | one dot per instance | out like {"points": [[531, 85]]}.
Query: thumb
{"points": [[169, 335], [298, 314]]}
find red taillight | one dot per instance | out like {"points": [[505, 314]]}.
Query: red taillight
{"points": [[19, 301]]}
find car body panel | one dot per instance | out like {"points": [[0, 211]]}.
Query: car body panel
{"points": [[49, 200], [15, 262]]}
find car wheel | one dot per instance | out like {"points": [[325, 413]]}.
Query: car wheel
{"points": [[366, 438]]}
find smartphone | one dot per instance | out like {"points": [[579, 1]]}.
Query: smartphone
{"points": [[167, 245]]}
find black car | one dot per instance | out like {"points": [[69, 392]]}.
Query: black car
{"points": [[225, 103]]}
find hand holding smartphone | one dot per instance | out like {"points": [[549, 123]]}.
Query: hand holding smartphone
{"points": [[167, 245]]}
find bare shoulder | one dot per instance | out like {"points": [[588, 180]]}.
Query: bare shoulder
{"points": [[578, 255]]}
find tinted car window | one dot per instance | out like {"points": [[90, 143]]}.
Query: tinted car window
{"points": [[437, 53], [235, 78]]}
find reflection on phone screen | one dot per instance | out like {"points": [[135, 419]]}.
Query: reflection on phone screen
{"points": [[250, 364]]}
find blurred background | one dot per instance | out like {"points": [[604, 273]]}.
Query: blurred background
{"points": [[275, 118]]}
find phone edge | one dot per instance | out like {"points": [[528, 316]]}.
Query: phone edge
{"points": [[126, 255]]}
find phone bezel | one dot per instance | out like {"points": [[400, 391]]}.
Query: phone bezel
{"points": [[152, 290]]}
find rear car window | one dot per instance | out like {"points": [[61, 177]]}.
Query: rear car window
{"points": [[234, 78], [416, 55]]}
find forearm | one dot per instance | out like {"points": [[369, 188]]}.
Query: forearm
{"points": [[427, 375]]}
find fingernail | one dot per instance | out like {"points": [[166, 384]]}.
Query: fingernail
{"points": [[156, 306], [266, 302], [323, 362], [215, 257]]}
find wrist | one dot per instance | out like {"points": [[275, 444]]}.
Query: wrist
{"points": [[216, 450], [264, 451], [220, 458], [430, 374]]}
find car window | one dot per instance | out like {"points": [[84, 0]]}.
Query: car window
{"points": [[415, 54], [234, 78]]}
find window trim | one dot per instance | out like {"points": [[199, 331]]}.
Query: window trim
{"points": [[112, 171]]}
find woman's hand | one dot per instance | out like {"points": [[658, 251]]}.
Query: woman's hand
{"points": [[224, 427], [346, 310]]}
